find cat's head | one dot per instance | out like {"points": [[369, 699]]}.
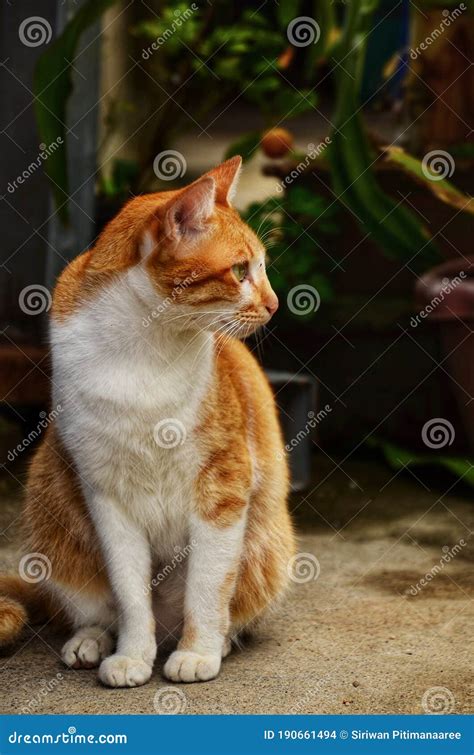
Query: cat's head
{"points": [[200, 266]]}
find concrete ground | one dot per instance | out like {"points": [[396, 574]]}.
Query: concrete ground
{"points": [[350, 638]]}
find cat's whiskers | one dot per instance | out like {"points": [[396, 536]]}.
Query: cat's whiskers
{"points": [[205, 344], [226, 334], [232, 330], [199, 332], [258, 342], [263, 220], [270, 232], [199, 314], [193, 316]]}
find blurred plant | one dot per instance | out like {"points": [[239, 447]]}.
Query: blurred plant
{"points": [[52, 86], [397, 230], [203, 56], [433, 180], [399, 459], [218, 65], [288, 226], [122, 177], [220, 42], [352, 157]]}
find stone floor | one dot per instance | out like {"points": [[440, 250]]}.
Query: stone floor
{"points": [[350, 638]]}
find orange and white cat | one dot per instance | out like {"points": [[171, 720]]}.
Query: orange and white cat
{"points": [[166, 459]]}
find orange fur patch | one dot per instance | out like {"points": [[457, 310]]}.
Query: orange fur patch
{"points": [[13, 618]]}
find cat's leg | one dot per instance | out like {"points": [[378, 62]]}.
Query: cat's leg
{"points": [[127, 557], [87, 647], [92, 615], [212, 570]]}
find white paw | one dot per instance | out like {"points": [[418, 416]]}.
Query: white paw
{"points": [[87, 648], [122, 671], [186, 666]]}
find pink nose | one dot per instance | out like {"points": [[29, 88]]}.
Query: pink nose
{"points": [[271, 304]]}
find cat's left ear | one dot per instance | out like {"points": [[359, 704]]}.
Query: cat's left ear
{"points": [[183, 218], [226, 177], [186, 214]]}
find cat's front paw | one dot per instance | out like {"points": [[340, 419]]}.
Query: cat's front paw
{"points": [[186, 666], [122, 671], [87, 648]]}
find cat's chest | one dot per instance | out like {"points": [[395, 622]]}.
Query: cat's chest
{"points": [[130, 420]]}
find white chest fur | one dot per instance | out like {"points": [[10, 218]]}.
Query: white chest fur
{"points": [[130, 398]]}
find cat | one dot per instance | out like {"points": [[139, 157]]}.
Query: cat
{"points": [[158, 495]]}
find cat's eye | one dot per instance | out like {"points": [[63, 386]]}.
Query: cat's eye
{"points": [[240, 271]]}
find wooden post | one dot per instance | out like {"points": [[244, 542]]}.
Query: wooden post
{"points": [[441, 79]]}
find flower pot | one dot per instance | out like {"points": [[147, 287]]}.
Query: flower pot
{"points": [[296, 398], [445, 295]]}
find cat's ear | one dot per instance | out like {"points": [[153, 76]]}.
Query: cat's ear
{"points": [[182, 218], [187, 213], [226, 177]]}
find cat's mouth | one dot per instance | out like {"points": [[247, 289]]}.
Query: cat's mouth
{"points": [[235, 325]]}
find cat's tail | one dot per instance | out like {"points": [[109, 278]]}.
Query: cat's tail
{"points": [[21, 603]]}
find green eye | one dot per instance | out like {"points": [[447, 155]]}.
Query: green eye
{"points": [[240, 271]]}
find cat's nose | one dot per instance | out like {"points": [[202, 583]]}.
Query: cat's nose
{"points": [[271, 304]]}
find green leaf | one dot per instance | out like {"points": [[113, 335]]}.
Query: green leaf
{"points": [[289, 225], [398, 458], [287, 10], [323, 13], [52, 85], [462, 151], [124, 173], [288, 103], [303, 201], [440, 187]]}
